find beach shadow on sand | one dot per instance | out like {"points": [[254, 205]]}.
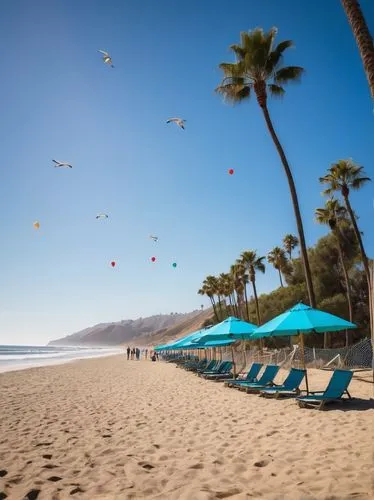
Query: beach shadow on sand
{"points": [[354, 404]]}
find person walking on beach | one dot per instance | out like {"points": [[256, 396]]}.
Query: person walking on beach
{"points": [[128, 352], [146, 354], [132, 353], [137, 353]]}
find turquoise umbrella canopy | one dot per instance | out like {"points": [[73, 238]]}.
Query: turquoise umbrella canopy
{"points": [[301, 319], [230, 329], [184, 342]]}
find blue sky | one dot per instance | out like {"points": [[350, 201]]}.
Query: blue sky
{"points": [[59, 100]]}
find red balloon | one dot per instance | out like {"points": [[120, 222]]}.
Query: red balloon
{"points": [[231, 171], [113, 264], [153, 259]]}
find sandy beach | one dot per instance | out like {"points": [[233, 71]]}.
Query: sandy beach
{"points": [[114, 429]]}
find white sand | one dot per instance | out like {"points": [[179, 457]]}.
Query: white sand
{"points": [[115, 429]]}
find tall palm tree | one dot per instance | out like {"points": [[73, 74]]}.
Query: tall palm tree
{"points": [[332, 215], [290, 242], [253, 263], [209, 289], [259, 68], [363, 38], [237, 271], [278, 258], [342, 177]]}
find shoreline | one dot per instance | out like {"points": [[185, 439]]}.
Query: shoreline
{"points": [[6, 367], [110, 429]]}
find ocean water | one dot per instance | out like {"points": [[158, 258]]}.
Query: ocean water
{"points": [[15, 357]]}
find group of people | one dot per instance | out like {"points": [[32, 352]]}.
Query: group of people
{"points": [[136, 353]]}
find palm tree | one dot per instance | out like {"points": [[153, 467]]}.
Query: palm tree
{"points": [[259, 68], [278, 258], [290, 242], [252, 263], [342, 177], [237, 271], [332, 215], [209, 289], [363, 38]]}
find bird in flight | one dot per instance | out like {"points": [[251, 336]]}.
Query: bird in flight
{"points": [[106, 58], [62, 164], [177, 121], [154, 238], [102, 216]]}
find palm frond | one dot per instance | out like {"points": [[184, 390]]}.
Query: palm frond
{"points": [[288, 74], [359, 182], [275, 57], [276, 90], [234, 92]]}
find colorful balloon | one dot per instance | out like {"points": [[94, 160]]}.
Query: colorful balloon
{"points": [[153, 259], [113, 263], [231, 171], [174, 264], [36, 225]]}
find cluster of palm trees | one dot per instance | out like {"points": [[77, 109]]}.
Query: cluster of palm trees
{"points": [[228, 292], [258, 69]]}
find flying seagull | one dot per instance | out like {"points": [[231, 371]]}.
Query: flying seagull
{"points": [[102, 216], [106, 58], [178, 121], [62, 164], [154, 238]]}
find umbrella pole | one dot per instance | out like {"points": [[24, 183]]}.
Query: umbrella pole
{"points": [[303, 361], [233, 361]]}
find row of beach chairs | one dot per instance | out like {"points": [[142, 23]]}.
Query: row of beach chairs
{"points": [[262, 382]]}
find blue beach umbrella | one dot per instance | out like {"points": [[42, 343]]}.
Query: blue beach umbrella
{"points": [[232, 329], [300, 320], [229, 329]]}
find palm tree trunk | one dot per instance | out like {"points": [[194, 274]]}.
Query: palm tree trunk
{"points": [[235, 305], [295, 201], [220, 307], [363, 38], [246, 301], [365, 260], [347, 282], [280, 277], [214, 308], [256, 302]]}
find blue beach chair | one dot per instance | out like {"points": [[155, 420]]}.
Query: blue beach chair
{"points": [[250, 377], [266, 379], [290, 386], [334, 391]]}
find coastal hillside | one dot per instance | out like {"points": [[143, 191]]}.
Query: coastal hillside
{"points": [[140, 330], [184, 327]]}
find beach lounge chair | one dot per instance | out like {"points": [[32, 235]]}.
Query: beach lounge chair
{"points": [[195, 365], [251, 376], [337, 386], [265, 380], [210, 366], [223, 374], [290, 387], [221, 368]]}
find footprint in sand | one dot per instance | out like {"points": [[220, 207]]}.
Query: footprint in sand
{"points": [[261, 463], [146, 465], [54, 479], [3, 472], [47, 456], [76, 490], [3, 495], [32, 495]]}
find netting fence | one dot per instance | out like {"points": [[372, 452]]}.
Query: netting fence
{"points": [[357, 356]]}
